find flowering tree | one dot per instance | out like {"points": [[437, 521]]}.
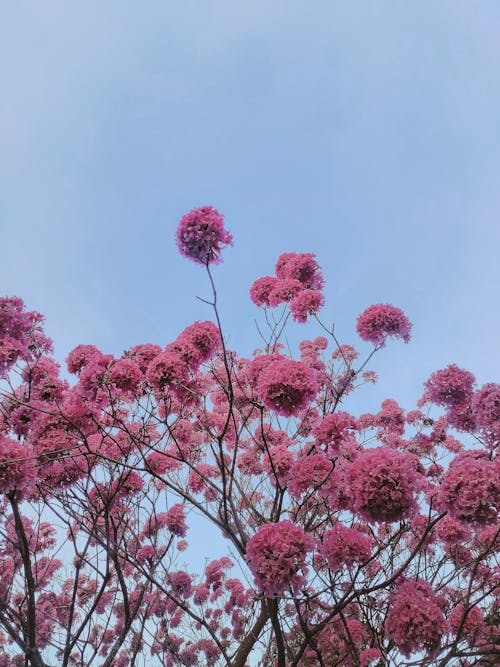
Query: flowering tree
{"points": [[369, 540]]}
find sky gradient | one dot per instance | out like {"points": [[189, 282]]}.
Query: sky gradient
{"points": [[366, 132]]}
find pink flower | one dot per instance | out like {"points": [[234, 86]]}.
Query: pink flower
{"points": [[471, 490], [143, 355], [308, 472], [126, 376], [345, 546], [175, 520], [181, 583], [450, 386], [275, 554], [383, 482], [78, 358], [333, 429], [486, 408], [469, 622], [287, 386], [261, 290], [414, 621], [18, 469], [283, 291], [205, 337], [302, 267], [201, 235], [380, 321], [21, 334], [167, 370], [307, 302]]}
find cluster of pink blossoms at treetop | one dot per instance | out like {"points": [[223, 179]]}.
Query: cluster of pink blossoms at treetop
{"points": [[298, 282], [467, 409], [22, 334], [201, 235], [380, 321], [287, 386]]}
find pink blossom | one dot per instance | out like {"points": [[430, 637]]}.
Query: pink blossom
{"points": [[43, 380], [302, 267], [276, 462], [471, 490], [450, 386], [78, 358], [283, 291], [18, 469], [333, 429], [201, 235], [414, 620], [205, 337], [175, 520], [468, 622], [345, 353], [345, 546], [383, 482], [368, 655], [308, 472], [486, 408], [143, 355], [126, 376], [287, 386], [180, 583], [21, 334], [275, 555], [380, 321], [167, 370], [261, 290], [307, 302]]}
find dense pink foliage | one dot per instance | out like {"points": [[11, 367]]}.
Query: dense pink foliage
{"points": [[356, 540]]}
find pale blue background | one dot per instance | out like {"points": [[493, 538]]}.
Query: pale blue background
{"points": [[367, 132]]}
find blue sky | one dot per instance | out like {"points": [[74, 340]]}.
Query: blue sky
{"points": [[366, 132]]}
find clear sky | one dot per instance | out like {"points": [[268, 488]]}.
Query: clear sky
{"points": [[366, 132]]}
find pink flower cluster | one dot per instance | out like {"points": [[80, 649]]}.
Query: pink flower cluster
{"points": [[383, 483], [415, 621], [201, 235], [486, 409], [450, 386], [21, 334], [334, 429], [275, 555], [18, 467], [287, 386], [309, 472], [468, 622], [342, 546], [471, 488], [380, 321], [298, 281]]}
